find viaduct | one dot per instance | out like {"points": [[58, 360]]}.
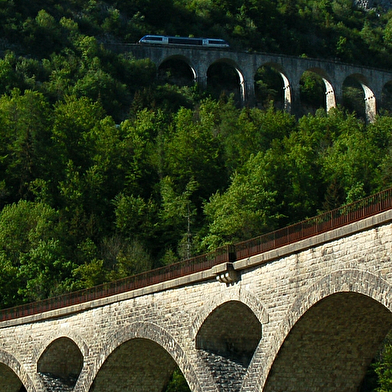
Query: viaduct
{"points": [[290, 68], [306, 316]]}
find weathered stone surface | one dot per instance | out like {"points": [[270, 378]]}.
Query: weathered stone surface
{"points": [[228, 374], [55, 384], [306, 317], [374, 4]]}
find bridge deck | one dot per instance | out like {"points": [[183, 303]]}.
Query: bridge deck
{"points": [[207, 266]]}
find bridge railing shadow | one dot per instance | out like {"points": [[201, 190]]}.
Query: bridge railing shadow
{"points": [[334, 219]]}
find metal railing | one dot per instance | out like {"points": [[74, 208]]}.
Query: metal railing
{"points": [[144, 279], [339, 217], [319, 224]]}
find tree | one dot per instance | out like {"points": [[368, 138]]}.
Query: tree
{"points": [[177, 383], [31, 253], [246, 209], [193, 152], [177, 217], [27, 146], [352, 161]]}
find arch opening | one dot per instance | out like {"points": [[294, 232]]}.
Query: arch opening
{"points": [[176, 70], [331, 345], [9, 381], [354, 97], [61, 363], [138, 364], [359, 98], [314, 91], [225, 79], [270, 87], [227, 340]]}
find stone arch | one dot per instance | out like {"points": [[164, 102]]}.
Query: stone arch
{"points": [[58, 334], [181, 65], [285, 84], [369, 97], [231, 331], [329, 90], [238, 315], [226, 62], [62, 361], [157, 339], [13, 376], [368, 286], [62, 342], [235, 293]]}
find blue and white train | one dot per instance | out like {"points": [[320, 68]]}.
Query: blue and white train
{"points": [[168, 40]]}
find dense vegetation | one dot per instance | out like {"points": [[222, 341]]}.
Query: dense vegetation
{"points": [[86, 200], [328, 29], [106, 172]]}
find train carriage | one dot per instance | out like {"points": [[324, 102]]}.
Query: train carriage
{"points": [[168, 40]]}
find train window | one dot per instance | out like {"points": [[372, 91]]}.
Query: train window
{"points": [[185, 41], [154, 38]]}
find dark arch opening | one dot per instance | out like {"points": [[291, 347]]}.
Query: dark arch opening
{"points": [[226, 342], [232, 330], [269, 88], [61, 363], [331, 345], [138, 365], [9, 381], [176, 70], [386, 98], [223, 79], [312, 92], [354, 97]]}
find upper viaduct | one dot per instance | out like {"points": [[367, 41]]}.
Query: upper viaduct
{"points": [[290, 68], [306, 316]]}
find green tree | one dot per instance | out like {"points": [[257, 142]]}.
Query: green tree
{"points": [[352, 161], [246, 209], [177, 383], [32, 255], [194, 152], [177, 217], [27, 146]]}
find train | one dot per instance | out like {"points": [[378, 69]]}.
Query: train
{"points": [[169, 40]]}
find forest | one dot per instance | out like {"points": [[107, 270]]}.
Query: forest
{"points": [[107, 171]]}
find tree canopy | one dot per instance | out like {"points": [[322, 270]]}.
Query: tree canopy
{"points": [[107, 171]]}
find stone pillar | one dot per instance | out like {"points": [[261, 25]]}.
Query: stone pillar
{"points": [[295, 107], [287, 94], [247, 86], [370, 104], [330, 99], [201, 75]]}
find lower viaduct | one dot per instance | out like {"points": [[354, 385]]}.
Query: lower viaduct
{"points": [[306, 316], [290, 68]]}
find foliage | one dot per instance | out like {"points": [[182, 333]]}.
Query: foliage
{"points": [[383, 368], [177, 383], [162, 186], [107, 171], [32, 253]]}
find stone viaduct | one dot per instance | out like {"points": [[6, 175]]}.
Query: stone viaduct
{"points": [[308, 316], [290, 68]]}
